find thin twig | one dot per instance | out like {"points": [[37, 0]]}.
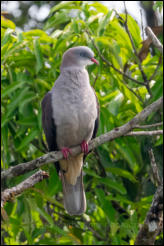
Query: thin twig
{"points": [[95, 79], [109, 136], [130, 89], [110, 64], [119, 71], [149, 126], [145, 133]]}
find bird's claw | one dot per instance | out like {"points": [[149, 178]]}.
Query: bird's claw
{"points": [[65, 151], [84, 147]]}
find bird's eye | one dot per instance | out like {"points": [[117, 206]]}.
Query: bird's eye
{"points": [[82, 54]]}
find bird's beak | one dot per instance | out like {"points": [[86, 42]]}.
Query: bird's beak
{"points": [[94, 60]]}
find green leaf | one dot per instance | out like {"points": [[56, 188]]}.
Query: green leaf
{"points": [[11, 88], [20, 37], [38, 55], [159, 141], [134, 30], [13, 105], [121, 37], [104, 22], [100, 7], [103, 40], [6, 37], [122, 173], [35, 33], [46, 216], [158, 4], [42, 82], [28, 98], [91, 173], [59, 18], [120, 198], [157, 89], [114, 105], [10, 52], [7, 23], [106, 205], [64, 5], [114, 185], [127, 154], [93, 18], [5, 143], [113, 47], [27, 139]]}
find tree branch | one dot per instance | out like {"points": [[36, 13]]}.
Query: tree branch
{"points": [[9, 194], [110, 64], [145, 133], [149, 126], [154, 39], [154, 219], [57, 155], [153, 223], [117, 70]]}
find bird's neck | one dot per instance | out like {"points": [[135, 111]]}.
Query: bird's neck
{"points": [[76, 77], [75, 68]]}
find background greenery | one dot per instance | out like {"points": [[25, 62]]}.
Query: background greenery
{"points": [[118, 182], [29, 15]]}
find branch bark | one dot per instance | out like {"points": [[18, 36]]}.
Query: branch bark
{"points": [[9, 194], [149, 126], [153, 222], [57, 155], [145, 133], [154, 39], [154, 219]]}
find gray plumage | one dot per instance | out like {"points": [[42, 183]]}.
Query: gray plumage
{"points": [[70, 116]]}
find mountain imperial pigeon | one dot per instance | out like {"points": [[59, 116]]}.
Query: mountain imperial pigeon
{"points": [[70, 115]]}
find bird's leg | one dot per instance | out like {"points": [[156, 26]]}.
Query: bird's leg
{"points": [[65, 151], [84, 147]]}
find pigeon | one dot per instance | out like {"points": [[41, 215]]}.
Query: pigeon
{"points": [[70, 115]]}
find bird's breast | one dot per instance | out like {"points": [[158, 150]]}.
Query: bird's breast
{"points": [[74, 113]]}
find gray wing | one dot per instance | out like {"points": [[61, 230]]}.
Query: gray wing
{"points": [[48, 124], [96, 121], [98, 117]]}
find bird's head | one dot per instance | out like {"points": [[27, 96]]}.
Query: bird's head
{"points": [[79, 56]]}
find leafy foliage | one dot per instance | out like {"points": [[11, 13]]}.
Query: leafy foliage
{"points": [[158, 5], [117, 174]]}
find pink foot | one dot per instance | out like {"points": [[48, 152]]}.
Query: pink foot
{"points": [[66, 151], [84, 147]]}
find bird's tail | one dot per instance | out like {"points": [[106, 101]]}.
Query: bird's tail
{"points": [[73, 189]]}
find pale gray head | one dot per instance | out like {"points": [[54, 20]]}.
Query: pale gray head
{"points": [[79, 56]]}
